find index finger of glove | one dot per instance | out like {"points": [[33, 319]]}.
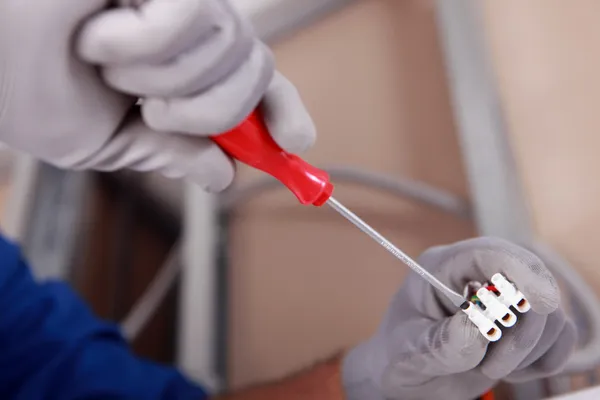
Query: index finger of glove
{"points": [[152, 33], [479, 259], [421, 350], [140, 148], [286, 116]]}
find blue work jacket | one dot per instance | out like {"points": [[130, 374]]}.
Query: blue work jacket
{"points": [[53, 347]]}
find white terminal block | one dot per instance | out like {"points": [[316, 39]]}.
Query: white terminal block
{"points": [[509, 294], [496, 307], [487, 326], [495, 310]]}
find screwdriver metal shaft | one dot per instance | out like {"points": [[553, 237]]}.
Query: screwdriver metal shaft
{"points": [[251, 144], [454, 297]]}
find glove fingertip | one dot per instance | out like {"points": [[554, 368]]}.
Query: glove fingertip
{"points": [[86, 46], [467, 342], [295, 136], [544, 303], [286, 116], [207, 165], [221, 178], [458, 343]]}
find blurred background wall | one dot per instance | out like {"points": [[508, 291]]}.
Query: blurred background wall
{"points": [[547, 57]]}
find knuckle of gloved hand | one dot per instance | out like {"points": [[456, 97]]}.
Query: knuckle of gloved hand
{"points": [[156, 34], [220, 108], [295, 135], [213, 62], [236, 34], [244, 93]]}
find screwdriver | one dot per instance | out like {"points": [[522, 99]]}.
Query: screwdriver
{"points": [[250, 143]]}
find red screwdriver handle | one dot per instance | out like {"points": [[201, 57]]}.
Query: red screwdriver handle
{"points": [[251, 144]]}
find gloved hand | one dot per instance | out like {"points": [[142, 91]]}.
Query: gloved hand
{"points": [[426, 349], [196, 63]]}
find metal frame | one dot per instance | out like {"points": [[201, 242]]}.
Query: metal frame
{"points": [[197, 333], [55, 229], [500, 208], [23, 180], [44, 213]]}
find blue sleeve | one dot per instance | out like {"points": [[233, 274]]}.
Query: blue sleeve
{"points": [[52, 346]]}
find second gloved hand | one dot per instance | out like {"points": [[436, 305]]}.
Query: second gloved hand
{"points": [[196, 63], [426, 349]]}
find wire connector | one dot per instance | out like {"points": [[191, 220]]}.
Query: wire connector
{"points": [[495, 310], [487, 327], [510, 295], [490, 304]]}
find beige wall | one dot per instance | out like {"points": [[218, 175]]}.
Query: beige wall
{"points": [[304, 282], [547, 57]]}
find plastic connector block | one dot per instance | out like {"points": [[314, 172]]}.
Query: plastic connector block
{"points": [[509, 294], [489, 307], [495, 309], [487, 327]]}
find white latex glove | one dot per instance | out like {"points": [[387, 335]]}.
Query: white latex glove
{"points": [[196, 63]]}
